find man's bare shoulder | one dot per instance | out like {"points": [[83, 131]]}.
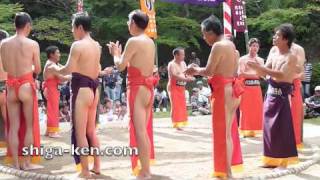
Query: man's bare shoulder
{"points": [[292, 59], [76, 45], [243, 58], [297, 47]]}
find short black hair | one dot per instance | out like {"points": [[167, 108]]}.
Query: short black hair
{"points": [[140, 18], [253, 40], [22, 19], [3, 34], [51, 50], [212, 24], [82, 19], [177, 50], [287, 32]]}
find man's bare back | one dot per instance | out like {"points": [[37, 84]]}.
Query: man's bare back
{"points": [[88, 52], [137, 50], [223, 59], [25, 56]]}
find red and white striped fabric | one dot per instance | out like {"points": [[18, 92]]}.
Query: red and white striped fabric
{"points": [[227, 22], [80, 6]]}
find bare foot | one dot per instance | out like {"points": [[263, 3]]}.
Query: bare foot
{"points": [[30, 167], [279, 169], [96, 172], [54, 135], [85, 175], [179, 129], [145, 176]]}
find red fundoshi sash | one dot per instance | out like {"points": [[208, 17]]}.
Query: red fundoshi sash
{"points": [[16, 83], [219, 124]]}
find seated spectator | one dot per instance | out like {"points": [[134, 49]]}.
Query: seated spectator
{"points": [[124, 97], [65, 92], [65, 114], [157, 99], [313, 104], [204, 91], [199, 103], [102, 109], [160, 99], [109, 109], [123, 111], [42, 111], [164, 100], [187, 95]]}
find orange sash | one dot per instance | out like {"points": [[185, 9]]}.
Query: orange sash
{"points": [[179, 113], [53, 96], [219, 124], [296, 111], [16, 83], [251, 109]]}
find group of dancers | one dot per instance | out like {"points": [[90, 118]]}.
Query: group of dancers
{"points": [[231, 78]]}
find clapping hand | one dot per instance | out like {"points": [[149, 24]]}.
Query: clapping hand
{"points": [[115, 49], [191, 70]]}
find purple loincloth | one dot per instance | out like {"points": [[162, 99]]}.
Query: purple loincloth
{"points": [[79, 81], [278, 133]]}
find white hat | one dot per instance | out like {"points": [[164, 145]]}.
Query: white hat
{"points": [[317, 88]]}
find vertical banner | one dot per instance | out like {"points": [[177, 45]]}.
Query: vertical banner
{"points": [[147, 6], [239, 15], [80, 6], [227, 21]]}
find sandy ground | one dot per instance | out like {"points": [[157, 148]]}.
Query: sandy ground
{"points": [[179, 155]]}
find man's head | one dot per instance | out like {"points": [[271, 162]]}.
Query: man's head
{"points": [[23, 23], [3, 34], [211, 29], [254, 45], [178, 54], [81, 25], [138, 22], [53, 53], [317, 91], [284, 35], [200, 84]]}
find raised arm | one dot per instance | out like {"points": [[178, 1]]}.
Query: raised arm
{"points": [[121, 61], [213, 60], [72, 60]]}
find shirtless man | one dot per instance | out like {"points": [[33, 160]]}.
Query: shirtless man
{"points": [[139, 58], [222, 67], [296, 98], [84, 64], [251, 100], [3, 78], [51, 91], [176, 88], [282, 68], [21, 58]]}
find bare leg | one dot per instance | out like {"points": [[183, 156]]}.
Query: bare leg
{"points": [[91, 132], [140, 113], [83, 101], [3, 107], [26, 97], [231, 105], [14, 120]]}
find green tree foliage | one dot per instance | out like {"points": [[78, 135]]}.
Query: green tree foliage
{"points": [[178, 25], [6, 13]]}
